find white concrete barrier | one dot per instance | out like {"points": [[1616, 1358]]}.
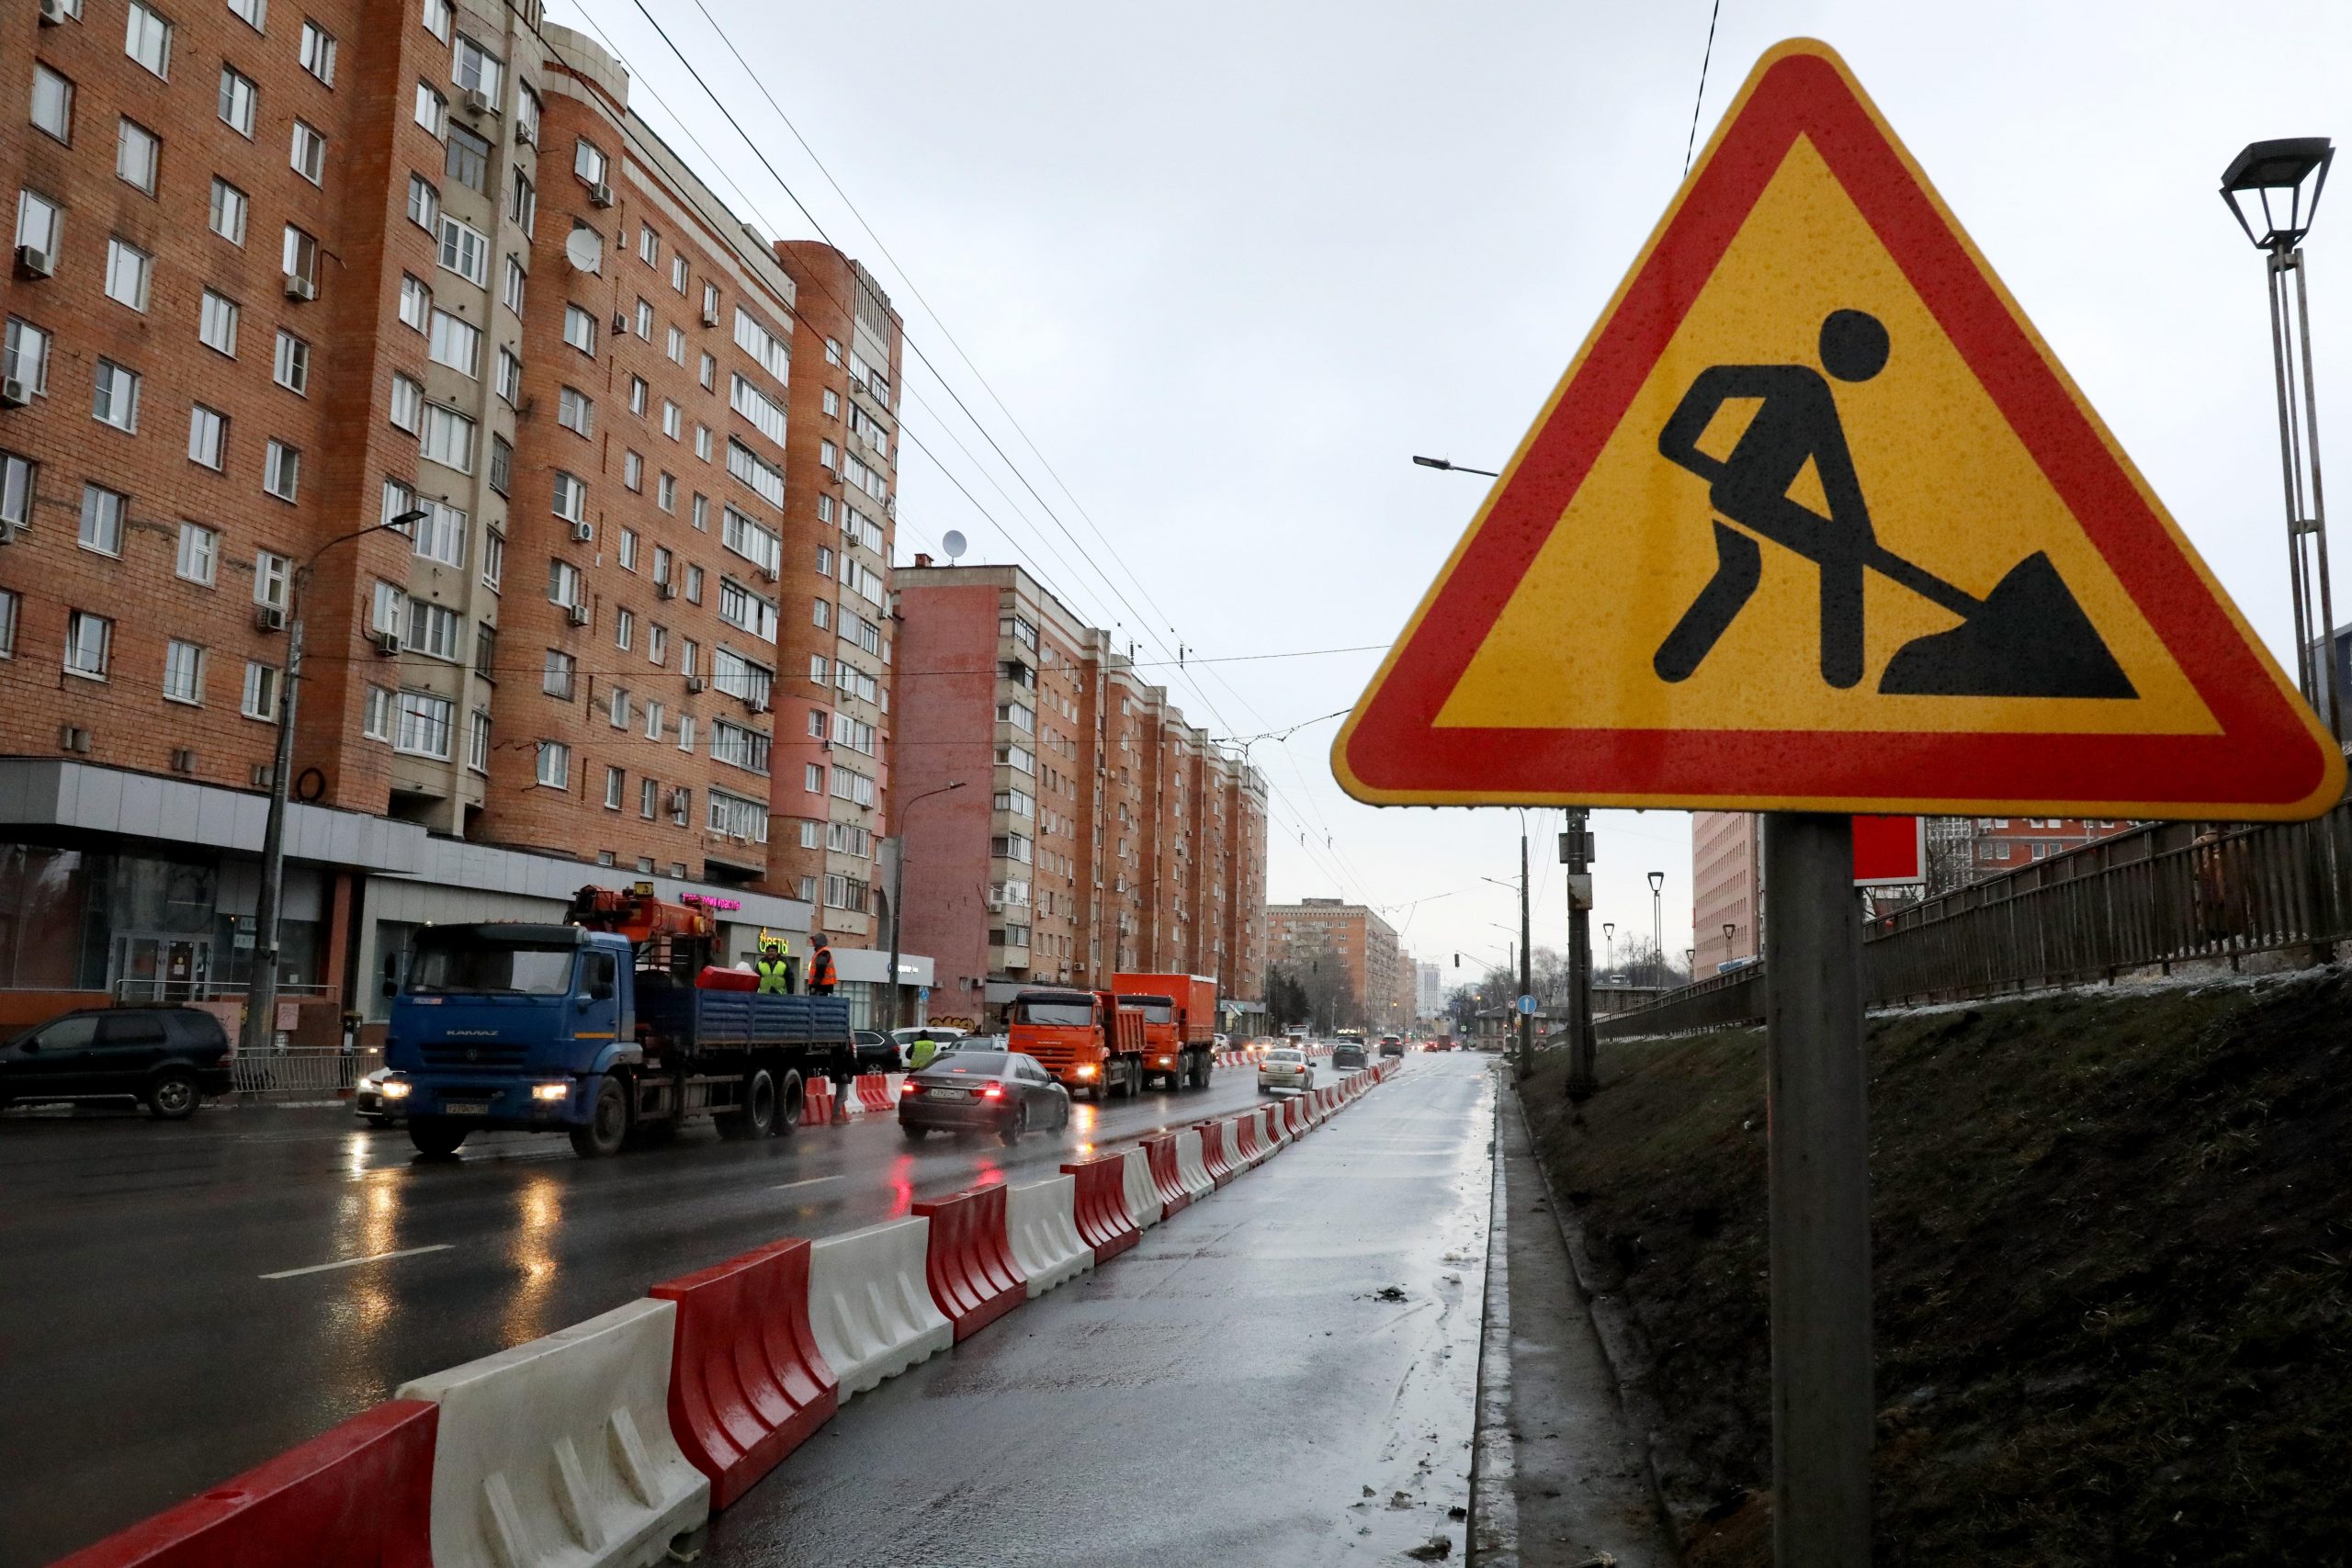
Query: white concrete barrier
{"points": [[1041, 1222], [1189, 1168], [559, 1454], [869, 1303], [1143, 1193]]}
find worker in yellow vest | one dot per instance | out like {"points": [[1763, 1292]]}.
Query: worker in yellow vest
{"points": [[776, 973]]}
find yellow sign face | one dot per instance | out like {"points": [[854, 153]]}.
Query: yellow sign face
{"points": [[1815, 522]]}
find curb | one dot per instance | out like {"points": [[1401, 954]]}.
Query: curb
{"points": [[606, 1393], [1623, 1347], [1493, 1535]]}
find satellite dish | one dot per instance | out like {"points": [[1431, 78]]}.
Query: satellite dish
{"points": [[585, 250], [953, 543]]}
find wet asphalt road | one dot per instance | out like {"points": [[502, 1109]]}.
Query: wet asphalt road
{"points": [[144, 1355], [1234, 1390]]}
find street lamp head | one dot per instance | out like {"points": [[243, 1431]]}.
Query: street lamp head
{"points": [[2273, 188], [1729, 929], [1658, 881], [1432, 462], [409, 519], [1609, 929]]}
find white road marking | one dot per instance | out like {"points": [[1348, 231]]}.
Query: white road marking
{"points": [[813, 1181], [354, 1262]]}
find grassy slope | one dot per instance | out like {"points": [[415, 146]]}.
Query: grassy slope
{"points": [[2113, 1253]]}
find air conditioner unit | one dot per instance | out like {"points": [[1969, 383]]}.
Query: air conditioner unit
{"points": [[680, 800], [53, 12], [768, 572], [300, 288], [577, 615], [74, 738], [757, 705], [620, 325], [7, 532], [711, 316], [583, 532], [268, 618], [600, 195], [698, 684], [260, 775], [524, 135], [183, 761], [478, 102], [33, 261], [14, 394], [388, 643], [666, 589]]}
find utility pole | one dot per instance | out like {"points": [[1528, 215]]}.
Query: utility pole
{"points": [[1575, 850], [1526, 966]]}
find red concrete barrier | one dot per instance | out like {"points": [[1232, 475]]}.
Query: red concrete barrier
{"points": [[1247, 1147], [1294, 1117], [1165, 1181], [1100, 1204], [969, 1266], [358, 1495], [816, 1102], [1216, 1156], [747, 1382], [874, 1092]]}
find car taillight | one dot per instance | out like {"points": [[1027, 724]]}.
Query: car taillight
{"points": [[993, 1091], [911, 1087]]}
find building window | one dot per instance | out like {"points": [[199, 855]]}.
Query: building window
{"points": [[425, 725], [416, 303], [440, 534], [466, 158], [624, 627], [588, 162], [455, 342], [694, 589], [199, 553], [628, 549], [376, 718], [677, 346], [183, 673], [510, 286], [423, 204], [207, 436], [633, 472], [408, 403], [270, 571], [555, 764], [147, 39], [282, 471], [653, 721], [556, 679], [102, 515], [25, 360], [129, 271], [438, 18], [236, 102], [665, 492], [217, 323], [298, 256], [114, 398], [648, 798], [260, 698], [687, 732], [522, 201], [502, 463], [448, 438], [576, 411], [464, 251], [708, 374], [478, 69], [53, 103], [308, 157], [228, 215], [510, 376], [579, 330], [292, 367], [563, 583], [571, 498], [614, 781], [644, 326], [478, 741]]}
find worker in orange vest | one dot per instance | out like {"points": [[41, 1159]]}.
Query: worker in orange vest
{"points": [[820, 965]]}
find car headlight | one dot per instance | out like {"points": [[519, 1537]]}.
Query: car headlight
{"points": [[551, 1091], [1087, 1071], [395, 1088]]}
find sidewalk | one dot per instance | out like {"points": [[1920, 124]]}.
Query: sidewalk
{"points": [[1284, 1373], [1562, 1482]]}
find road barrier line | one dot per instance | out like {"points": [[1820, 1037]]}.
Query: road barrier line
{"points": [[747, 1382], [969, 1264], [1041, 1224], [870, 1309], [560, 1452], [1103, 1206], [1191, 1168]]}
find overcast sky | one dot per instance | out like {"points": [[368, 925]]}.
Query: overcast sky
{"points": [[1230, 265]]}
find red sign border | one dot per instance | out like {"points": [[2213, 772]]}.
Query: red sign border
{"points": [[2270, 759]]}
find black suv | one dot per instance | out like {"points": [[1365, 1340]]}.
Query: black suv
{"points": [[169, 1058], [1347, 1054]]}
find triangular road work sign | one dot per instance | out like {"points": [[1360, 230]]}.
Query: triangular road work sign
{"points": [[1815, 522]]}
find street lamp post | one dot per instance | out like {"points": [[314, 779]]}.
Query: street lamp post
{"points": [[1658, 928], [2265, 189], [1453, 468], [898, 886], [1730, 931], [261, 987], [1526, 967], [1609, 935]]}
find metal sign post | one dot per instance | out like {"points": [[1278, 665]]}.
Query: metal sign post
{"points": [[1820, 1204]]}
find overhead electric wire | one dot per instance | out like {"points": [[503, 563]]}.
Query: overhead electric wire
{"points": [[1691, 145]]}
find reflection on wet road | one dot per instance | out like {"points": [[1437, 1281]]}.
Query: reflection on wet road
{"points": [[167, 1321]]}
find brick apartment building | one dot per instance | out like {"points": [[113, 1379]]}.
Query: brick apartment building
{"points": [[1378, 977], [283, 275], [1062, 821], [2003, 843]]}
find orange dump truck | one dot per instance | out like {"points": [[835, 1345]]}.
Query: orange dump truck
{"points": [[1179, 1024], [1084, 1038]]}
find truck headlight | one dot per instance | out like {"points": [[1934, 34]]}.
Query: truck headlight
{"points": [[551, 1091], [1167, 1061], [1087, 1071], [393, 1088]]}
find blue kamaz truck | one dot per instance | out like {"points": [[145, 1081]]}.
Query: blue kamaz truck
{"points": [[612, 1027]]}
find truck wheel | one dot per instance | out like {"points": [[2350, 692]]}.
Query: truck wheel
{"points": [[757, 1117], [436, 1135], [608, 1120], [172, 1095], [789, 1103]]}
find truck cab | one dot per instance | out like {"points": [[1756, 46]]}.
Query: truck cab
{"points": [[508, 1025], [1085, 1039]]}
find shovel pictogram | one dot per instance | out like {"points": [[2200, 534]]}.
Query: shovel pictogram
{"points": [[2027, 637]]}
